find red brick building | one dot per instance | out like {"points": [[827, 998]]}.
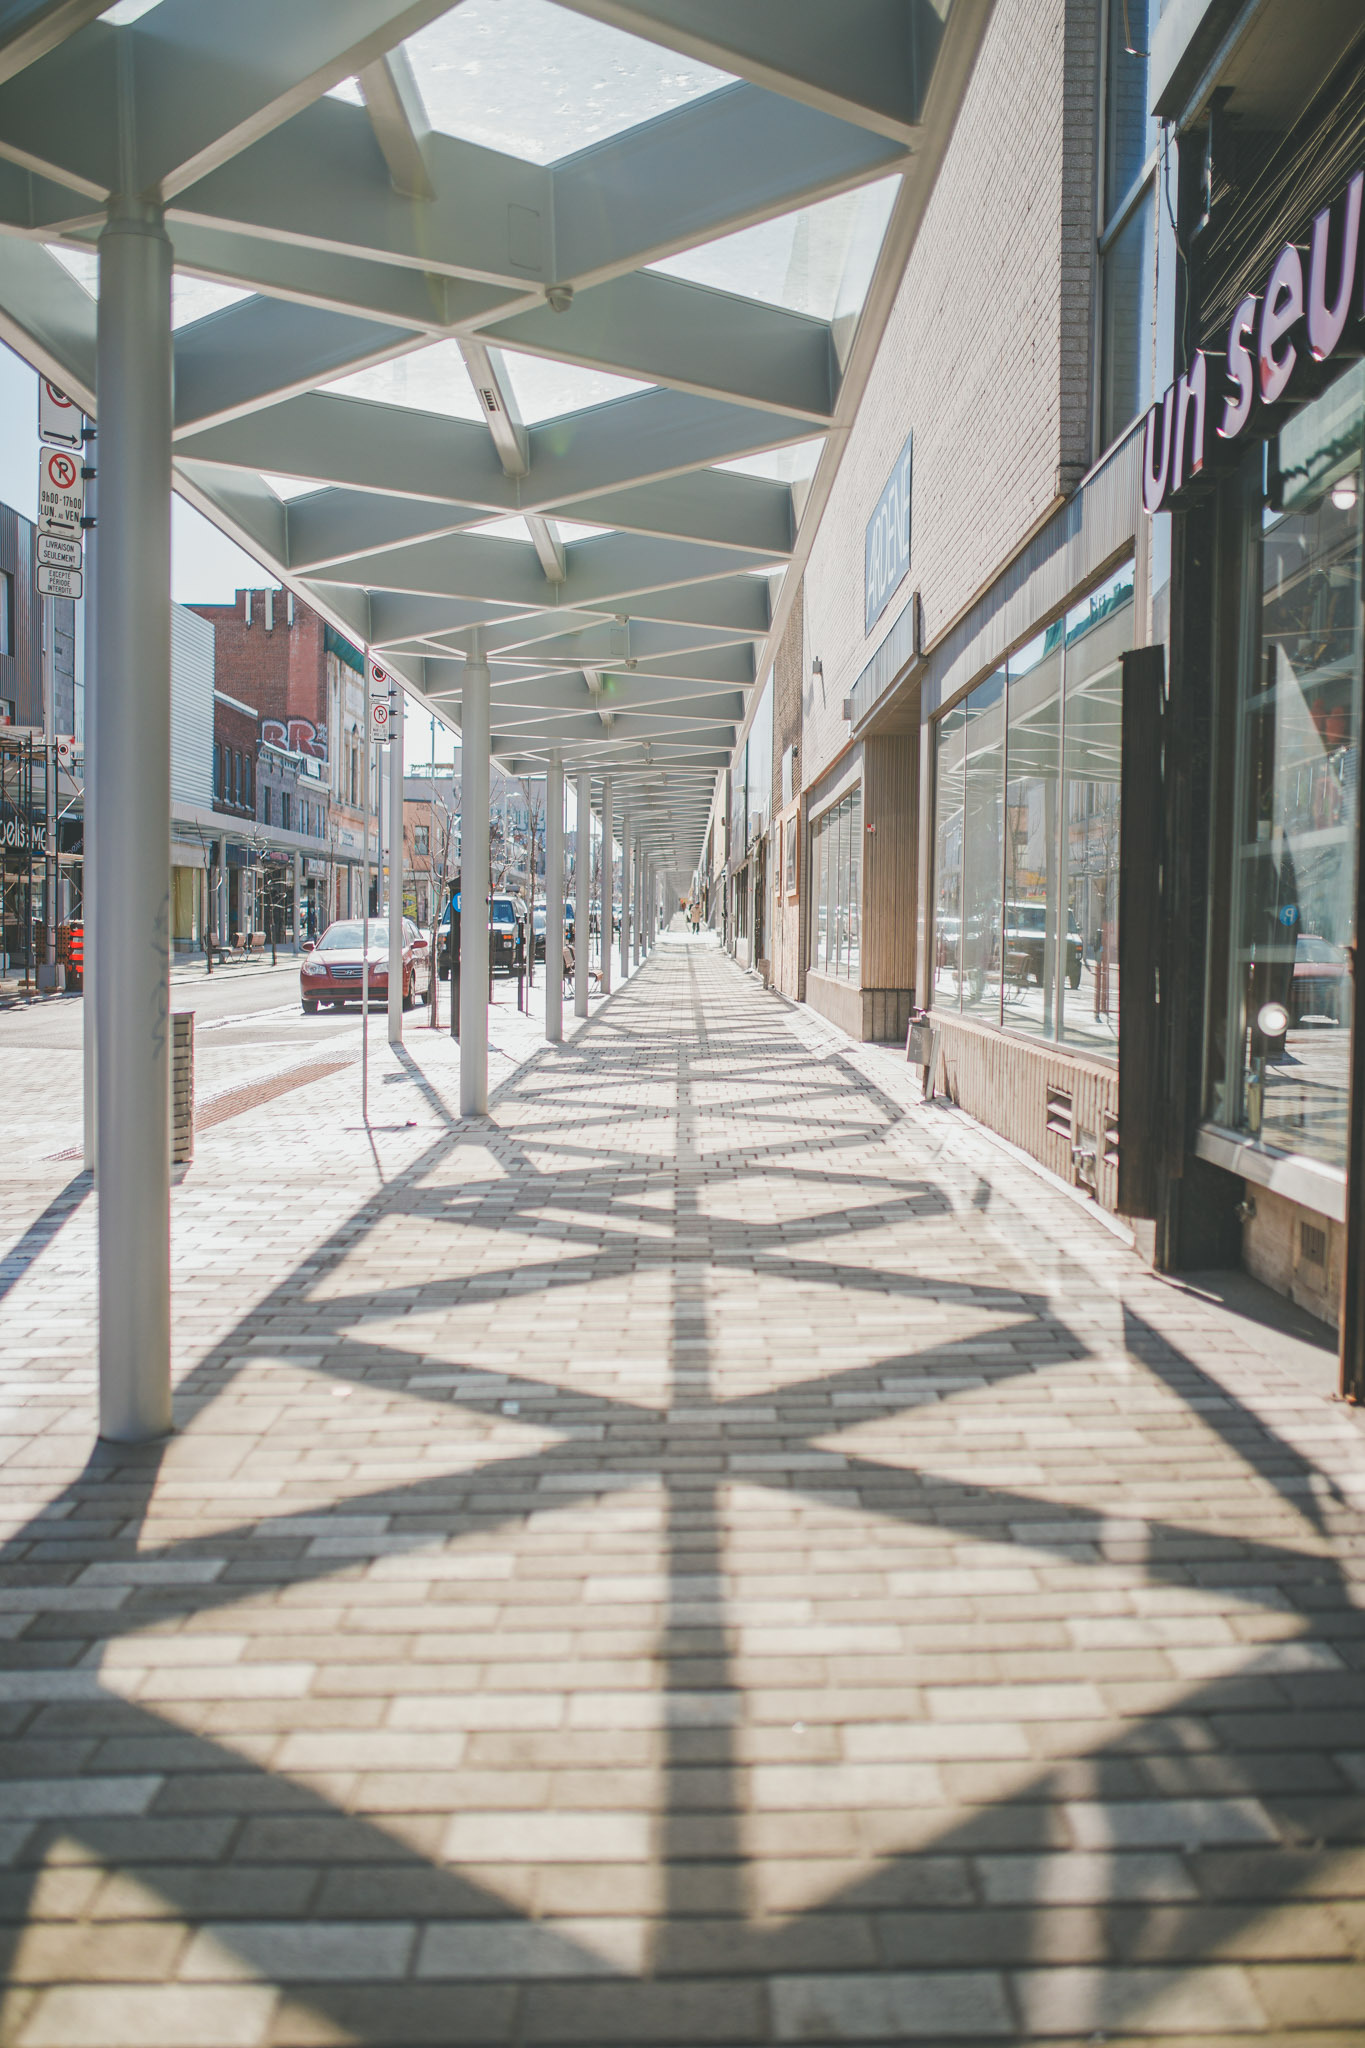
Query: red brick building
{"points": [[303, 686]]}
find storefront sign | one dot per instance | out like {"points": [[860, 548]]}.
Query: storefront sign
{"points": [[17, 835], [313, 867], [1310, 304], [887, 541]]}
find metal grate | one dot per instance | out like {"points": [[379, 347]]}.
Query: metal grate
{"points": [[1312, 1244], [1060, 1118]]}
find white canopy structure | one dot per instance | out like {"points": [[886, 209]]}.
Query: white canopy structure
{"points": [[518, 337]]}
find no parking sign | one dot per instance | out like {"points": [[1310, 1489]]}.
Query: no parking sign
{"points": [[61, 492], [381, 702]]}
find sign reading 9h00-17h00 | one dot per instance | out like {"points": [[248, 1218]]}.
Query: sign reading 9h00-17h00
{"points": [[887, 544], [61, 492]]}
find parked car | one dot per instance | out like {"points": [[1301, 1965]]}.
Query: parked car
{"points": [[505, 913], [333, 970], [538, 930], [1026, 938], [1321, 979]]}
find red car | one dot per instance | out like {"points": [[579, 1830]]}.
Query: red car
{"points": [[334, 970]]}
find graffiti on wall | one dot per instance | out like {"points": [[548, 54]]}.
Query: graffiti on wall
{"points": [[296, 736]]}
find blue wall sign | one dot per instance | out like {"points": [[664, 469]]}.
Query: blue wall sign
{"points": [[887, 545]]}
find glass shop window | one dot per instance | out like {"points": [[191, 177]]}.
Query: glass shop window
{"points": [[836, 856], [983, 803], [1278, 1054], [1026, 833], [1127, 222]]}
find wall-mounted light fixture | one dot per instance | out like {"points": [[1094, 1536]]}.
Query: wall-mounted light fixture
{"points": [[817, 669]]}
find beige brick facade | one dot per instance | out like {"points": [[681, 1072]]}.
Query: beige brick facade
{"points": [[986, 356]]}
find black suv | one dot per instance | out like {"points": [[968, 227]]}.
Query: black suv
{"points": [[506, 916]]}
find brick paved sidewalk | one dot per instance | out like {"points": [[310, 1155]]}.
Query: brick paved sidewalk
{"points": [[717, 1553]]}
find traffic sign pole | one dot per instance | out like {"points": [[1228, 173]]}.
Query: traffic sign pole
{"points": [[133, 821]]}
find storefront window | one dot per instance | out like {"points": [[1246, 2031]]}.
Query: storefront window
{"points": [[1098, 632], [1278, 1066], [982, 870], [1031, 835], [948, 839], [1127, 221], [1026, 833], [836, 852]]}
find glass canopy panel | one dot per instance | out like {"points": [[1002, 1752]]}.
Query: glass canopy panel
{"points": [[287, 487], [794, 464], [818, 260], [192, 298], [125, 11], [534, 81], [515, 528], [432, 379], [547, 390]]}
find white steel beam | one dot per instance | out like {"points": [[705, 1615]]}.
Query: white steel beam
{"points": [[399, 120]]}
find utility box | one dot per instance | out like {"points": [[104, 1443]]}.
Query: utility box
{"points": [[182, 1088]]}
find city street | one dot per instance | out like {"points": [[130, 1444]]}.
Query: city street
{"points": [[812, 1490], [718, 1551]]}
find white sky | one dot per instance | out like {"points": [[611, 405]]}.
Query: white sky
{"points": [[206, 567]]}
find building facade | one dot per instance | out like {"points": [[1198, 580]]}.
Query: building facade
{"points": [[289, 766], [1253, 471], [1065, 709]]}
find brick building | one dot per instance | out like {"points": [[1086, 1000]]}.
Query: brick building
{"points": [[288, 762]]}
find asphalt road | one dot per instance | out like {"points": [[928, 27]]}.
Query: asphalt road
{"points": [[241, 1005]]}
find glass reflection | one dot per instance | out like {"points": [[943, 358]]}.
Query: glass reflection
{"points": [[983, 856], [1031, 853], [1296, 805]]}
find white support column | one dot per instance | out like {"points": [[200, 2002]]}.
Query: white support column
{"points": [[554, 900], [298, 919], [608, 887], [625, 896], [88, 1023], [635, 904], [133, 823], [639, 904], [582, 902], [396, 872], [475, 755]]}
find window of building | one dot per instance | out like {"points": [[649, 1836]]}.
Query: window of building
{"points": [[1127, 242], [247, 797], [421, 839], [285, 808], [266, 795], [236, 778], [217, 771], [6, 612], [1284, 917], [836, 889], [1026, 832]]}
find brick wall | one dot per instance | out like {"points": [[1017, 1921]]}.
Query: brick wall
{"points": [[234, 731], [278, 668], [986, 354]]}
